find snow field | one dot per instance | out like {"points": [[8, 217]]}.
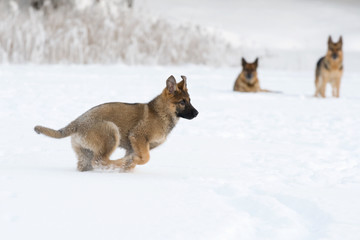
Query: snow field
{"points": [[250, 166]]}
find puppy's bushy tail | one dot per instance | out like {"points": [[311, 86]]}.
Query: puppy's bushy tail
{"points": [[61, 133]]}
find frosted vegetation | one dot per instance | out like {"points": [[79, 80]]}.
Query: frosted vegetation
{"points": [[103, 32]]}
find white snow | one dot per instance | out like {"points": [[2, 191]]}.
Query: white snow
{"points": [[250, 166]]}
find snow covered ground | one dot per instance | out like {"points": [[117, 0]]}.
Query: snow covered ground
{"points": [[250, 166]]}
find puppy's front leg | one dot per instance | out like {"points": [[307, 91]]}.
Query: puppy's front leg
{"points": [[141, 152]]}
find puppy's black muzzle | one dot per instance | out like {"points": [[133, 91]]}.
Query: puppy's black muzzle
{"points": [[189, 112], [194, 113], [334, 56]]}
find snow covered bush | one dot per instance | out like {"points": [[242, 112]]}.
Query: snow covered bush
{"points": [[103, 33]]}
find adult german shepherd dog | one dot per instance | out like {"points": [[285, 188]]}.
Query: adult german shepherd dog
{"points": [[248, 80], [329, 69], [137, 128]]}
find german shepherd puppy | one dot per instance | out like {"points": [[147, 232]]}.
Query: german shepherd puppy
{"points": [[329, 69], [248, 81], [135, 127]]}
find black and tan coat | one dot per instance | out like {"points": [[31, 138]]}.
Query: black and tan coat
{"points": [[329, 69], [248, 80]]}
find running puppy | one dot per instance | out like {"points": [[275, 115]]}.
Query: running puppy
{"points": [[329, 69], [248, 81], [137, 128]]}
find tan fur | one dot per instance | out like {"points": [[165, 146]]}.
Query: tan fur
{"points": [[244, 83], [330, 70], [135, 127]]}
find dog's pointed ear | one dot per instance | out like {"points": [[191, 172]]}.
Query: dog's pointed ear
{"points": [[171, 84], [182, 85], [330, 40], [243, 62], [340, 40], [256, 62]]}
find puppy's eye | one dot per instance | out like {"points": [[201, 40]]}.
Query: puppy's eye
{"points": [[182, 102]]}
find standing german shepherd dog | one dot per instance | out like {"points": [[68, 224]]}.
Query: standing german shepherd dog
{"points": [[135, 127], [329, 69], [248, 81]]}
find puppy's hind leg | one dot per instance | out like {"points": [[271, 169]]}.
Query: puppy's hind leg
{"points": [[84, 157], [96, 143]]}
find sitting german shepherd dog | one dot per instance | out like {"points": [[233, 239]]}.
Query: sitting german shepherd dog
{"points": [[329, 69], [135, 127], [248, 81]]}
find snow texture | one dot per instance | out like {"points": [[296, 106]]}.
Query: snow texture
{"points": [[250, 166]]}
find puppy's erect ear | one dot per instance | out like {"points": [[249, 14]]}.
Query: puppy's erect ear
{"points": [[256, 62], [171, 84], [182, 85], [243, 62]]}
